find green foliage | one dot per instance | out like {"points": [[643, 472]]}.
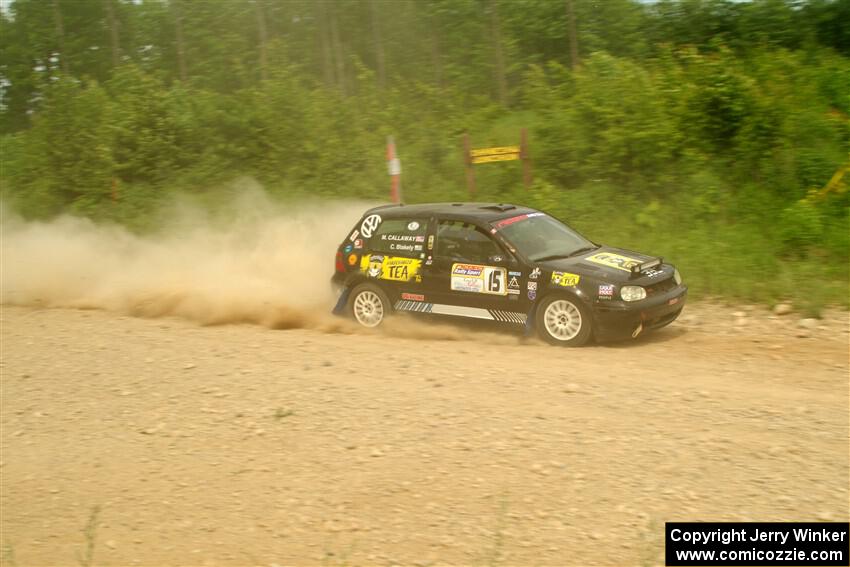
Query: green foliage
{"points": [[705, 199], [691, 128], [648, 217], [719, 101], [801, 226], [615, 126], [64, 160]]}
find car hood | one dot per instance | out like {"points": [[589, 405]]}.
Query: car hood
{"points": [[609, 264]]}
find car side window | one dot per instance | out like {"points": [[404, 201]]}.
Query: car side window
{"points": [[400, 237], [465, 242]]}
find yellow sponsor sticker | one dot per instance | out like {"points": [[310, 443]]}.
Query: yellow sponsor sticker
{"points": [[565, 279], [479, 279], [391, 268], [613, 261]]}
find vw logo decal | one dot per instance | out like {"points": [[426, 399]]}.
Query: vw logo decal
{"points": [[369, 225]]}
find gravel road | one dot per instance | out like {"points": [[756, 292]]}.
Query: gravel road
{"points": [[131, 441]]}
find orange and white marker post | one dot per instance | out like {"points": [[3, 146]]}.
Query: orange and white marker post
{"points": [[394, 169]]}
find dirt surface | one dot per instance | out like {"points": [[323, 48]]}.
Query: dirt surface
{"points": [[160, 442]]}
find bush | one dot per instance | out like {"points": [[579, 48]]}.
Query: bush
{"points": [[801, 226]]}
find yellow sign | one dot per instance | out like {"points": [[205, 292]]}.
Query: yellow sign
{"points": [[495, 151], [497, 157]]}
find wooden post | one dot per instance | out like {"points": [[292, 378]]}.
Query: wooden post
{"points": [[525, 156], [467, 159], [60, 36], [379, 45], [495, 31], [113, 32], [571, 32], [262, 38]]}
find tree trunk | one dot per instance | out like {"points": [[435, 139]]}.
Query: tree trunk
{"points": [[109, 9], [178, 33], [571, 32], [262, 38], [496, 32], [379, 45], [60, 36], [436, 53], [339, 58], [323, 27]]}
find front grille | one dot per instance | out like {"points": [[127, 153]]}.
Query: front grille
{"points": [[660, 287]]}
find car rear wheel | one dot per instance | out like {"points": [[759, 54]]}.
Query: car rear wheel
{"points": [[563, 320], [369, 305]]}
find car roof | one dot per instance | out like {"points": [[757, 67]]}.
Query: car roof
{"points": [[473, 212]]}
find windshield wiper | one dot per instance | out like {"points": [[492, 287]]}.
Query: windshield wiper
{"points": [[564, 254], [585, 249], [551, 257]]}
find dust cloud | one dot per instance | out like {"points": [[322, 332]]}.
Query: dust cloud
{"points": [[253, 261], [256, 261]]}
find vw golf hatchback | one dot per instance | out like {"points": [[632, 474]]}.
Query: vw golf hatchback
{"points": [[503, 263]]}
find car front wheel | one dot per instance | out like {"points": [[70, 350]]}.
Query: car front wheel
{"points": [[563, 320], [369, 305]]}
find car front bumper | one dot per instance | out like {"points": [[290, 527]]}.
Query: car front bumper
{"points": [[615, 320]]}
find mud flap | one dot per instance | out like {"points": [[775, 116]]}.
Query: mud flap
{"points": [[529, 322], [339, 309]]}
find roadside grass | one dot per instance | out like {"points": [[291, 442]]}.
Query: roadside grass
{"points": [[729, 243], [732, 248], [7, 557], [495, 552], [86, 559], [281, 413], [741, 267], [337, 558], [651, 550]]}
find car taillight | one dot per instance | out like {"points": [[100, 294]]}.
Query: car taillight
{"points": [[340, 265]]}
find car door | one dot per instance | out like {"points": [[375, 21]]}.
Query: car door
{"points": [[395, 256], [471, 275]]}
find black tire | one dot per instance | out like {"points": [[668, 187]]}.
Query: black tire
{"points": [[369, 305], [569, 322]]}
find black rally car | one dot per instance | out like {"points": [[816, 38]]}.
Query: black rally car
{"points": [[504, 263]]}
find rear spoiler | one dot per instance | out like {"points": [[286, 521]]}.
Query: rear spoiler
{"points": [[381, 207], [649, 264]]}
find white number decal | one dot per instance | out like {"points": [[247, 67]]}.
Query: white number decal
{"points": [[495, 283]]}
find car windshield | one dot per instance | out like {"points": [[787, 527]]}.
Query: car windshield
{"points": [[540, 237]]}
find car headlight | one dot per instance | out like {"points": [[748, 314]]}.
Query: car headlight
{"points": [[632, 292], [677, 277]]}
